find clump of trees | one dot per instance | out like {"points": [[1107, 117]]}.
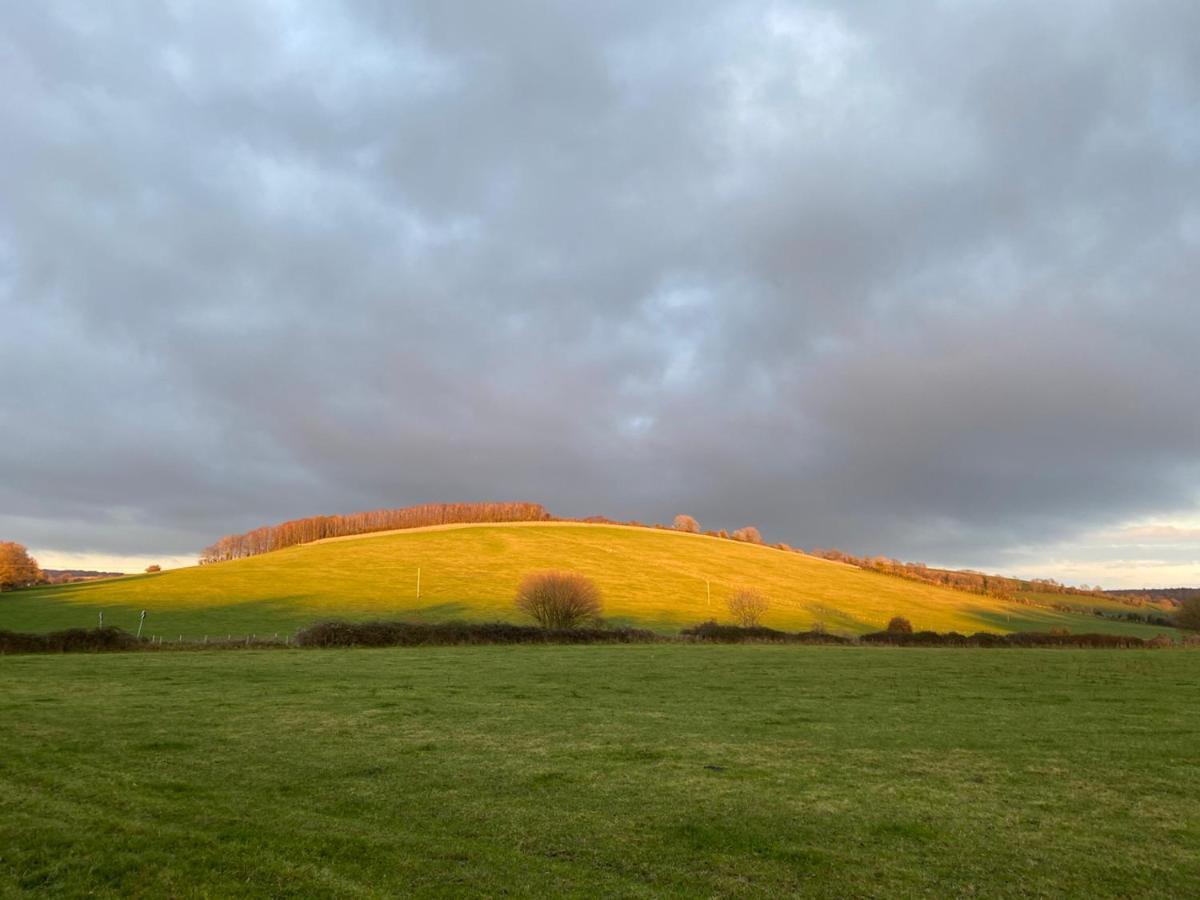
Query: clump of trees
{"points": [[150, 570], [315, 528], [748, 606], [684, 522], [559, 599], [899, 625], [749, 534], [1188, 616], [17, 568]]}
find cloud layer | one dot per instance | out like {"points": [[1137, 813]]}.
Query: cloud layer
{"points": [[919, 286]]}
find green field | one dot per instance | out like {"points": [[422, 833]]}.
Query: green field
{"points": [[655, 579], [613, 771]]}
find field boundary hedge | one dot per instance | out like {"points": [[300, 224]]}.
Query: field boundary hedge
{"points": [[338, 633]]}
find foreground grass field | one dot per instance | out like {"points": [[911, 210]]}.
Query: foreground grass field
{"points": [[631, 771], [655, 579]]}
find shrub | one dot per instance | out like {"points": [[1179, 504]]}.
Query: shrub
{"points": [[714, 632], [686, 523], [1160, 641], [73, 640], [150, 570], [899, 625], [559, 599], [747, 607], [416, 634]]}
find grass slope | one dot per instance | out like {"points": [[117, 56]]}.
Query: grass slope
{"points": [[601, 771], [650, 578]]}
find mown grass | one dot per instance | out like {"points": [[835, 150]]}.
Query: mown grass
{"points": [[616, 771], [654, 579]]}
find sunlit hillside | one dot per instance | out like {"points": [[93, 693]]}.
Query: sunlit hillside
{"points": [[653, 578]]}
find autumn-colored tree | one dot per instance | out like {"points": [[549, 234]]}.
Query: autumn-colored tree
{"points": [[17, 567], [1189, 614], [686, 523], [748, 606], [749, 534], [150, 570], [559, 599]]}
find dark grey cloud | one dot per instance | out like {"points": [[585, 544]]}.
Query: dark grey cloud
{"points": [[922, 285]]}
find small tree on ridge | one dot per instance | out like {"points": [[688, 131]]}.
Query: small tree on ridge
{"points": [[687, 523]]}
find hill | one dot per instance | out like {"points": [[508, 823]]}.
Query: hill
{"points": [[653, 578]]}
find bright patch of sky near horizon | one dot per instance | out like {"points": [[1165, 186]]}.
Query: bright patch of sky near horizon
{"points": [[921, 286]]}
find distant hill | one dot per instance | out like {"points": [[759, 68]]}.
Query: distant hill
{"points": [[655, 578]]}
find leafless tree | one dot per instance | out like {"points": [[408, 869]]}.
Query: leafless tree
{"points": [[748, 606], [559, 599]]}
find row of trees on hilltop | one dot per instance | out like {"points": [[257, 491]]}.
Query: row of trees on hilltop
{"points": [[315, 528]]}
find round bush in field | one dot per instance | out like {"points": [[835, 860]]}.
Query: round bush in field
{"points": [[899, 625], [559, 599]]}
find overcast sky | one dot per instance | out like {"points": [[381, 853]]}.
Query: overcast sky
{"points": [[924, 286]]}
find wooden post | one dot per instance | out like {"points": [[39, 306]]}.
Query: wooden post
{"points": [[101, 618]]}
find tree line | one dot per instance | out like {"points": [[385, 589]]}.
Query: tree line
{"points": [[315, 528]]}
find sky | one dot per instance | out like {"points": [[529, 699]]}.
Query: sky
{"points": [[921, 286]]}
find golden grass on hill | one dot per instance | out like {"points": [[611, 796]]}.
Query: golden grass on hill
{"points": [[652, 578]]}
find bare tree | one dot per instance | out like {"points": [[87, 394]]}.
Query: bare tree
{"points": [[749, 534], [747, 606], [684, 522], [559, 599]]}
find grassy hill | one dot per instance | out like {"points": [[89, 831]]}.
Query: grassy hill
{"points": [[651, 578]]}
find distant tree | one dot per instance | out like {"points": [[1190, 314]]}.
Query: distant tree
{"points": [[559, 599], [1189, 614], [899, 625], [722, 533], [686, 523], [150, 570], [17, 567], [749, 534], [747, 606]]}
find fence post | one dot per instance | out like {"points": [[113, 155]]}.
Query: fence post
{"points": [[141, 620]]}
